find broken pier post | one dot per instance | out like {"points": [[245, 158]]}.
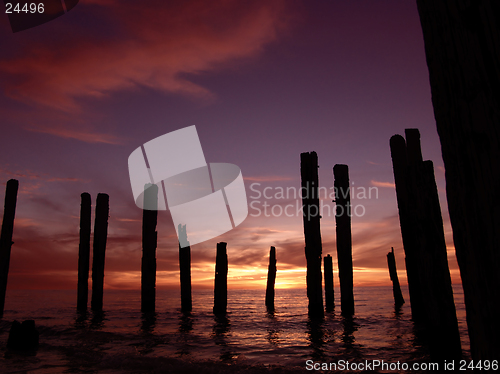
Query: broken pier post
{"points": [[149, 244], [99, 250], [329, 292], [271, 279], [396, 288], [185, 269], [9, 213], [429, 281], [84, 252], [312, 232], [220, 287], [344, 239]]}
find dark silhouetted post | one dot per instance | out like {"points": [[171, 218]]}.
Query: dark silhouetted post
{"points": [[220, 288], [463, 48], [431, 294], [99, 250], [84, 252], [149, 243], [329, 293], [344, 239], [396, 289], [9, 213], [312, 232], [271, 278], [185, 269]]}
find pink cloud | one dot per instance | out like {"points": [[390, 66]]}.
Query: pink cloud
{"points": [[160, 43]]}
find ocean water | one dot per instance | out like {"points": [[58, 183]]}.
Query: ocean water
{"points": [[247, 340]]}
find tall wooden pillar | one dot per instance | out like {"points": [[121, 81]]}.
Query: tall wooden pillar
{"points": [[462, 46], [312, 233], [220, 287], [429, 280], [185, 269], [99, 250], [149, 244], [84, 252], [344, 239], [9, 213]]}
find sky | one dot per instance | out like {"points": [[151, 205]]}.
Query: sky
{"points": [[262, 81]]}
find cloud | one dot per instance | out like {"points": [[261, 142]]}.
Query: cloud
{"points": [[275, 178], [160, 46], [382, 184], [88, 136]]}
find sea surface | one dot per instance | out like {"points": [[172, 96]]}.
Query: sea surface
{"points": [[248, 339]]}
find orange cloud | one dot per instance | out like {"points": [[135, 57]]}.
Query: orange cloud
{"points": [[275, 178], [382, 184]]}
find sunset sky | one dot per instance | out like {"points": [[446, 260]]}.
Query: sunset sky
{"points": [[262, 81]]}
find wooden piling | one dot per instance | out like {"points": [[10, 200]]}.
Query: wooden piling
{"points": [[312, 232], [429, 280], [462, 48], [344, 239], [329, 292], [185, 269], [9, 213], [99, 250], [220, 287], [271, 279], [84, 252], [149, 244], [396, 288]]}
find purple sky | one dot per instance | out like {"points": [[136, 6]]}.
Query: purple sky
{"points": [[262, 81]]}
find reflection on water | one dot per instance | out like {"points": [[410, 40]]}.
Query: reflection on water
{"points": [[315, 336], [97, 321], [286, 336], [273, 330], [220, 333], [148, 322], [185, 322]]}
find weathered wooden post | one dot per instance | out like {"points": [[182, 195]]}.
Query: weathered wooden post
{"points": [[312, 232], [396, 288], [462, 48], [149, 244], [271, 279], [99, 250], [9, 213], [220, 288], [84, 252], [185, 269], [329, 292], [344, 239], [429, 280]]}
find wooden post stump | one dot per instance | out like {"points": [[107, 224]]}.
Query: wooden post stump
{"points": [[149, 244], [99, 250], [185, 269], [312, 232], [396, 288], [431, 294], [271, 278], [9, 213], [84, 252], [344, 239], [220, 287], [329, 292]]}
